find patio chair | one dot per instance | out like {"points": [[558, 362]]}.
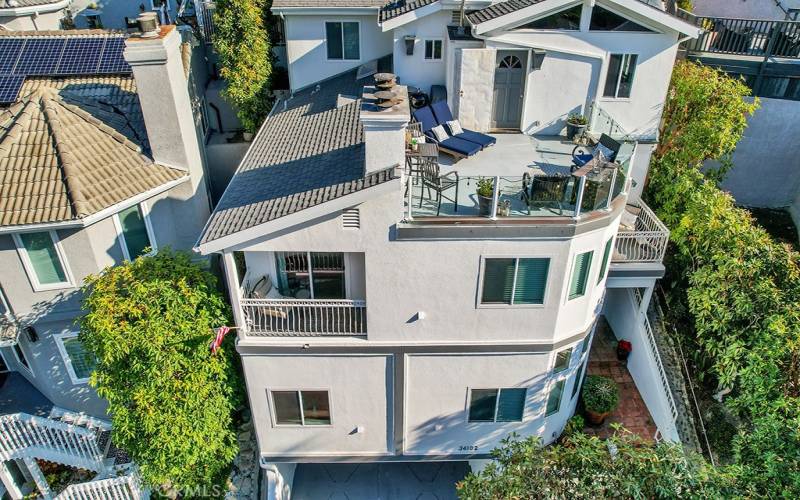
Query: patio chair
{"points": [[453, 146], [433, 179], [607, 145], [443, 115], [544, 191]]}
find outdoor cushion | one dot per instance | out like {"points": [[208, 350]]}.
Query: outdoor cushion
{"points": [[439, 132], [454, 127], [461, 146], [425, 117], [443, 115], [581, 160]]}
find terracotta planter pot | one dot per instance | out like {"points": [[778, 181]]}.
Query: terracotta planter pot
{"points": [[596, 418]]}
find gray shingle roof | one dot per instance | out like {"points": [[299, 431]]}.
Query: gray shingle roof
{"points": [[278, 4], [11, 4], [307, 153], [400, 7], [509, 6]]}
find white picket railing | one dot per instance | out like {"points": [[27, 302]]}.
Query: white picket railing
{"points": [[296, 317], [23, 435], [119, 488], [646, 243]]}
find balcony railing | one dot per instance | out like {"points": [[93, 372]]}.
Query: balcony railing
{"points": [[514, 198], [749, 37], [643, 240], [296, 317]]}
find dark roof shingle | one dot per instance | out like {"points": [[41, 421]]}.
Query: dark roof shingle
{"points": [[400, 7], [279, 4], [509, 6], [308, 152]]}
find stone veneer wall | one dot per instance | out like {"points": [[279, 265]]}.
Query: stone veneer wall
{"points": [[475, 78]]}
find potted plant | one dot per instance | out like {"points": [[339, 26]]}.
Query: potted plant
{"points": [[576, 125], [624, 349], [600, 397], [485, 194]]}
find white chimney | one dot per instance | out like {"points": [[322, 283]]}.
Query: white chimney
{"points": [[384, 130], [164, 96]]}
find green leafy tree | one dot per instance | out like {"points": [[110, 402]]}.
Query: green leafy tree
{"points": [[242, 43], [582, 466], [149, 323], [740, 289]]}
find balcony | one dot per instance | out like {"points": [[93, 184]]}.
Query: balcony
{"points": [[761, 38], [642, 237], [304, 318]]}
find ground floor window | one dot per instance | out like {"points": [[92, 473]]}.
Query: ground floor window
{"points": [[554, 399], [301, 407], [79, 361], [497, 405]]}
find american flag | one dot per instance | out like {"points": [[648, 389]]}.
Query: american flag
{"points": [[217, 342]]}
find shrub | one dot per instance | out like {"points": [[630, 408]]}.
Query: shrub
{"points": [[600, 394], [485, 187]]}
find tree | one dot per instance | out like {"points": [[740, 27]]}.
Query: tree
{"points": [[740, 289], [581, 466], [242, 44], [149, 323]]}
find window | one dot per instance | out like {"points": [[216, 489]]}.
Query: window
{"points": [[134, 232], [578, 380], [619, 78], [301, 407], [41, 255], [79, 361], [554, 399], [496, 405], [311, 275], [514, 281], [342, 40], [562, 360], [21, 358], [569, 19], [604, 262], [580, 274], [433, 50], [605, 20]]}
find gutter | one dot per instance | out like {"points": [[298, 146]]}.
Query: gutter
{"points": [[34, 9]]}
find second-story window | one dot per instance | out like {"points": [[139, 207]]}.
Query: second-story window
{"points": [[43, 260], [433, 50], [619, 79], [496, 405], [79, 361], [342, 41], [580, 275], [562, 360], [604, 262], [134, 232], [514, 281], [311, 275]]}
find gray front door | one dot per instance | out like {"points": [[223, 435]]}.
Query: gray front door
{"points": [[509, 85]]}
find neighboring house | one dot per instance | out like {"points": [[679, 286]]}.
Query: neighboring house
{"points": [[758, 41], [35, 15], [378, 322], [99, 163]]}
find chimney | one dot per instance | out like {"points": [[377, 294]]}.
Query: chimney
{"points": [[384, 121], [155, 57]]}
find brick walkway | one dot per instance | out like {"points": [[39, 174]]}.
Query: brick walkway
{"points": [[632, 412]]}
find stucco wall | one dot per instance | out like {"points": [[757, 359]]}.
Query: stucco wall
{"points": [[415, 70], [765, 160], [307, 53], [44, 21]]}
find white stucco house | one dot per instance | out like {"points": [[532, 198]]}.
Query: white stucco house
{"points": [[382, 316]]}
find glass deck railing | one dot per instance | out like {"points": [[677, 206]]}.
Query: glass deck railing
{"points": [[538, 195]]}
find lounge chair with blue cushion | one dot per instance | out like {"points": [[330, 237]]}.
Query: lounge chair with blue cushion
{"points": [[443, 115], [606, 145], [452, 145]]}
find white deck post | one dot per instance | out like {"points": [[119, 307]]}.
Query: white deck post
{"points": [[38, 477], [232, 280], [8, 482], [645, 303]]}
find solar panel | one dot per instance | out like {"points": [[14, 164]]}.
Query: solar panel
{"points": [[81, 56], [9, 53], [9, 87], [112, 60], [40, 56]]}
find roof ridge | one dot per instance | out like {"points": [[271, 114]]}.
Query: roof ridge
{"points": [[68, 161]]}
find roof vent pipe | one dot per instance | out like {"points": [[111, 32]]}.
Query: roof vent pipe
{"points": [[148, 24]]}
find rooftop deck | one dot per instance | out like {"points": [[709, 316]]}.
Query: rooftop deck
{"points": [[531, 177]]}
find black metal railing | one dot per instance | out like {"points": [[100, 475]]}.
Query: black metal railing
{"points": [[751, 37]]}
